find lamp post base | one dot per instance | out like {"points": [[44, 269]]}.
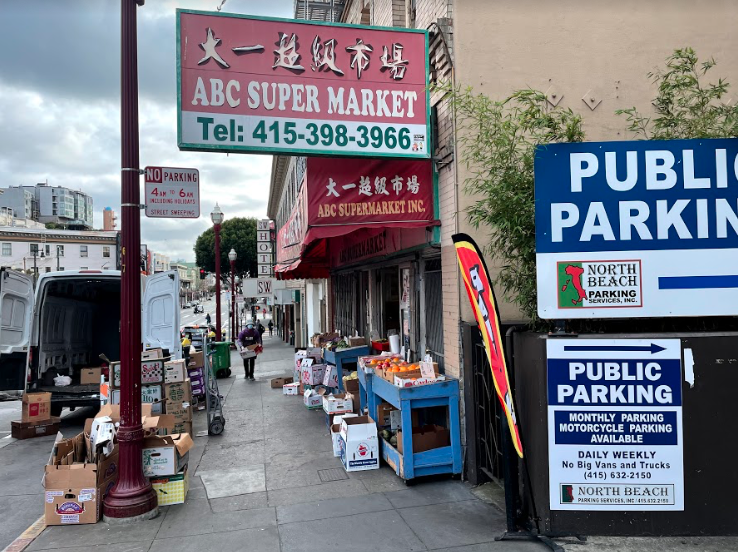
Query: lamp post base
{"points": [[128, 509]]}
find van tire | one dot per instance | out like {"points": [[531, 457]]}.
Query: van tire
{"points": [[56, 410]]}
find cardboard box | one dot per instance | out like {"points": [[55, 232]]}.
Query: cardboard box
{"points": [[277, 383], [312, 399], [197, 360], [335, 426], [198, 388], [115, 375], [152, 394], [36, 407], [311, 374], [330, 376], [359, 444], [290, 389], [152, 371], [166, 455], [336, 418], [183, 427], [384, 417], [152, 354], [356, 341], [426, 438], [403, 380], [179, 392], [175, 371], [195, 373], [71, 494], [90, 376], [172, 489], [180, 411], [338, 404], [27, 430], [351, 386]]}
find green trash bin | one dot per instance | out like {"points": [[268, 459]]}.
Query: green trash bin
{"points": [[221, 359]]}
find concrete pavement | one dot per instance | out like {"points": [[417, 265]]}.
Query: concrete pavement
{"points": [[270, 483]]}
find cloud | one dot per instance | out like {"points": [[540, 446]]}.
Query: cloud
{"points": [[60, 109]]}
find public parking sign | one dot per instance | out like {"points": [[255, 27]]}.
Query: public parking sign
{"points": [[172, 192], [262, 85], [637, 229]]}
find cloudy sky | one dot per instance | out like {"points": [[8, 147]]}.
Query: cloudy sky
{"points": [[60, 109]]}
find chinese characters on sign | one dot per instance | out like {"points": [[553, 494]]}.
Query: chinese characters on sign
{"points": [[318, 88]]}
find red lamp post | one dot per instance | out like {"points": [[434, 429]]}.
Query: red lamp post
{"points": [[217, 217], [132, 498], [232, 258]]}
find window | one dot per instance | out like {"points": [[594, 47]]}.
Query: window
{"points": [[34, 249], [48, 250], [7, 249], [59, 250], [84, 268], [83, 251], [48, 269], [106, 251]]}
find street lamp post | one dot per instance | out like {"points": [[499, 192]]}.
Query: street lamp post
{"points": [[217, 217], [232, 258], [132, 498]]}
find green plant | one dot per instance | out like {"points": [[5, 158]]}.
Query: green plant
{"points": [[235, 233], [685, 106], [498, 142]]}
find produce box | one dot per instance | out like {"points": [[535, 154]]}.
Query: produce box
{"points": [[277, 383], [35, 407], [356, 341], [183, 427], [351, 385], [180, 411], [152, 394], [330, 376], [172, 489], [152, 371], [290, 388], [197, 360], [178, 392], [90, 376], [384, 417], [166, 455], [175, 371], [311, 374], [426, 438], [359, 444], [338, 404], [27, 430], [381, 345], [313, 398]]}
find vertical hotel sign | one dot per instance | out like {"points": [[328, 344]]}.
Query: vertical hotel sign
{"points": [[264, 256], [264, 85]]}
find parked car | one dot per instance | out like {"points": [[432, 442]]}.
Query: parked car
{"points": [[187, 306], [72, 318]]}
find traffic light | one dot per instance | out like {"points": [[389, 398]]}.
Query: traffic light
{"points": [[202, 274]]}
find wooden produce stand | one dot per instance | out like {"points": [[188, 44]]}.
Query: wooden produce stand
{"points": [[409, 465]]}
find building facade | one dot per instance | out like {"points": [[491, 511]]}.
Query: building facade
{"points": [[109, 219], [34, 250], [43, 203]]}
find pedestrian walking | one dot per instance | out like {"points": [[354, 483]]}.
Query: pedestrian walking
{"points": [[207, 319], [249, 336], [261, 329], [271, 327]]}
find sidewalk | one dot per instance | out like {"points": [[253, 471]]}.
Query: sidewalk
{"points": [[270, 483]]}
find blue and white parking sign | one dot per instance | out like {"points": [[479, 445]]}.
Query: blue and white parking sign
{"points": [[637, 229], [615, 424]]}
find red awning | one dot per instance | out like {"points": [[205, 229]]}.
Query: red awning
{"points": [[313, 264], [324, 232]]}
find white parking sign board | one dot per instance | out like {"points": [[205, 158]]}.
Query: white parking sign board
{"points": [[172, 192]]}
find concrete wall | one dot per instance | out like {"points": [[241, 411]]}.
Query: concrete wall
{"points": [[605, 49]]}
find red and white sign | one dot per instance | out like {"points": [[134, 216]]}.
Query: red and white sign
{"points": [[278, 85], [172, 192]]}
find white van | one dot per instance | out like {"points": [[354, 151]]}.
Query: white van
{"points": [[73, 318]]}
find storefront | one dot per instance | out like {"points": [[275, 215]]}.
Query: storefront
{"points": [[369, 227]]}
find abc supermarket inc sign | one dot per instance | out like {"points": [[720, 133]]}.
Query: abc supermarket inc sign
{"points": [[637, 229], [261, 85]]}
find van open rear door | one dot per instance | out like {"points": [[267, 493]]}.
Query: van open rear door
{"points": [[160, 315], [16, 305]]}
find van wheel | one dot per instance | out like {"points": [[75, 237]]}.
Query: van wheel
{"points": [[56, 410]]}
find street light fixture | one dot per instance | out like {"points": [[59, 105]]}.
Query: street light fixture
{"points": [[217, 217], [232, 258]]}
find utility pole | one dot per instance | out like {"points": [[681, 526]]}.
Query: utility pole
{"points": [[132, 498]]}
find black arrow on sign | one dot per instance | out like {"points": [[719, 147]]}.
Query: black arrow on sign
{"points": [[653, 348]]}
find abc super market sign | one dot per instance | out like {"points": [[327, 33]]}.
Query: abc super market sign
{"points": [[275, 85], [637, 229]]}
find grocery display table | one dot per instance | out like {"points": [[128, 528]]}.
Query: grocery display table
{"points": [[341, 356], [409, 465]]}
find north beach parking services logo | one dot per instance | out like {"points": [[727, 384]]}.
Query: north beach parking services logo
{"points": [[599, 284]]}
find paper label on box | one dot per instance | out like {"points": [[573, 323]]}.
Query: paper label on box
{"points": [[51, 494], [84, 497], [427, 371], [68, 518]]}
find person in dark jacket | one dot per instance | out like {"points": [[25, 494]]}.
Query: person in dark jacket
{"points": [[249, 336]]}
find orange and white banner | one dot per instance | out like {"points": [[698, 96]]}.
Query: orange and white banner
{"points": [[482, 298]]}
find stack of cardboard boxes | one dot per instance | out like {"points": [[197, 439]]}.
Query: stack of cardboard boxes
{"points": [[196, 373], [36, 419]]}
